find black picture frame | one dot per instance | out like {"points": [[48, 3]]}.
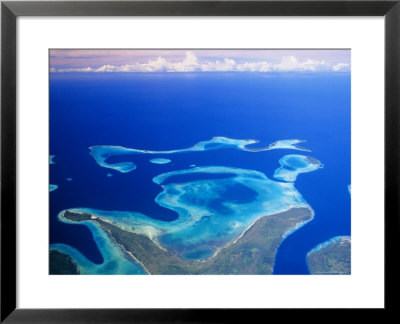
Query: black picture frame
{"points": [[10, 10]]}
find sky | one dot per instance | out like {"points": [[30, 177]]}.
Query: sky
{"points": [[199, 60]]}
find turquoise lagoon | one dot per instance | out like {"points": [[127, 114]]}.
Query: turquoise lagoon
{"points": [[114, 260], [292, 165], [214, 204]]}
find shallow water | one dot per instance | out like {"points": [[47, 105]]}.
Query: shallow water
{"points": [[170, 112]]}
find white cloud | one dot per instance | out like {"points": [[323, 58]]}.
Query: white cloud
{"points": [[290, 63], [254, 67], [341, 67], [225, 65], [191, 64]]}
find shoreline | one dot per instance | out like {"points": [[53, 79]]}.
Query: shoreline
{"points": [[331, 257], [293, 230], [155, 260], [284, 235], [125, 251], [215, 254], [299, 224], [329, 242]]}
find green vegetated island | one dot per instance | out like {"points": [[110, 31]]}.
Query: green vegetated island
{"points": [[252, 253], [61, 263], [331, 257]]}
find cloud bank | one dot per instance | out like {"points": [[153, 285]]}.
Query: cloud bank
{"points": [[191, 64]]}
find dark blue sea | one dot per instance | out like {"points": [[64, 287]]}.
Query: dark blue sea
{"points": [[168, 111]]}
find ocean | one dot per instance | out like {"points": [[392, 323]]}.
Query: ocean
{"points": [[174, 111]]}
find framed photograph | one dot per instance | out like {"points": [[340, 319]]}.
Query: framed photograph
{"points": [[197, 161]]}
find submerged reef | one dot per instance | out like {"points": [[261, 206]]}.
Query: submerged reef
{"points": [[285, 144], [228, 220], [160, 161], [292, 165], [214, 206], [52, 187], [102, 152], [331, 257]]}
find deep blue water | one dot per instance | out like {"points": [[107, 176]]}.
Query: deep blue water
{"points": [[164, 111]]}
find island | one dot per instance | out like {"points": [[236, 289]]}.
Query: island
{"points": [[252, 253], [331, 257], [61, 264]]}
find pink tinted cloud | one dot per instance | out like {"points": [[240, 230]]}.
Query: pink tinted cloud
{"points": [[97, 58]]}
